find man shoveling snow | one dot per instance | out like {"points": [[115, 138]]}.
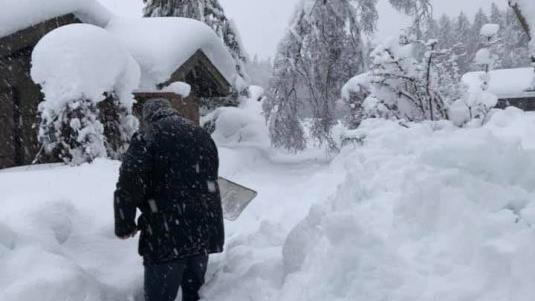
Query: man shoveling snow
{"points": [[170, 173]]}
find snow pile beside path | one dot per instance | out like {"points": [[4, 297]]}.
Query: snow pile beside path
{"points": [[83, 61], [56, 236], [426, 213], [244, 124]]}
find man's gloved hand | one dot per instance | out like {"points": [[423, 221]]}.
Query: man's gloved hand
{"points": [[131, 235]]}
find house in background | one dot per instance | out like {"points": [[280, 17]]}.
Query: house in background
{"points": [[513, 87], [168, 50]]}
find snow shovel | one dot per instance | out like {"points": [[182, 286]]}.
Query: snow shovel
{"points": [[234, 198]]}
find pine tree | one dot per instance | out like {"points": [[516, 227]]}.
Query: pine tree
{"points": [[207, 11], [420, 11], [445, 33], [496, 15], [514, 50], [432, 30], [462, 35]]}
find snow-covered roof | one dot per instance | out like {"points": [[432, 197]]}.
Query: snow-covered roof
{"points": [[159, 45], [16, 15], [504, 82], [162, 45], [83, 61]]}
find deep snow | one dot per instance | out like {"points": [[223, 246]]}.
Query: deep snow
{"points": [[429, 212], [16, 15], [64, 61]]}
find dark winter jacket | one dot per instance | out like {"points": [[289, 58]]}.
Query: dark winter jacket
{"points": [[170, 173]]}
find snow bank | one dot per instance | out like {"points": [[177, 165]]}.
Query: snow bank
{"points": [[162, 45], [242, 125], [16, 15], [82, 61], [56, 239], [429, 212]]}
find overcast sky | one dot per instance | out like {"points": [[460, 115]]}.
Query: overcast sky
{"points": [[262, 23]]}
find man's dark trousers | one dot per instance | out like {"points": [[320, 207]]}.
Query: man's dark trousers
{"points": [[163, 280]]}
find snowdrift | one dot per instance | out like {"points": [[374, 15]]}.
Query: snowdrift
{"points": [[428, 212]]}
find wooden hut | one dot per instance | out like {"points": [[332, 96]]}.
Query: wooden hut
{"points": [[20, 97]]}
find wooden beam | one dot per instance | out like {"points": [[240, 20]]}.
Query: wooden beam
{"points": [[198, 60]]}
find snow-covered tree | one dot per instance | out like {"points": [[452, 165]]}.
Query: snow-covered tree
{"points": [[209, 12], [420, 11], [87, 111], [512, 49], [403, 87], [484, 57], [445, 34], [496, 16], [432, 30], [74, 133], [480, 19], [525, 12], [462, 37], [354, 93], [282, 109], [322, 50], [476, 103]]}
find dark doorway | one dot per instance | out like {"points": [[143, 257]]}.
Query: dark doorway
{"points": [[8, 143]]}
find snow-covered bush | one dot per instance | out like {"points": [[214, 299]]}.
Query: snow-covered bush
{"points": [[477, 101], [474, 105], [354, 92], [403, 87], [244, 124], [79, 67]]}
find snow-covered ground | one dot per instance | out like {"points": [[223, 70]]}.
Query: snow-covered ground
{"points": [[424, 212]]}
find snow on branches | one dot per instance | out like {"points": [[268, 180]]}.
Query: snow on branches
{"points": [[476, 103], [78, 67], [403, 87], [321, 51], [525, 12]]}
